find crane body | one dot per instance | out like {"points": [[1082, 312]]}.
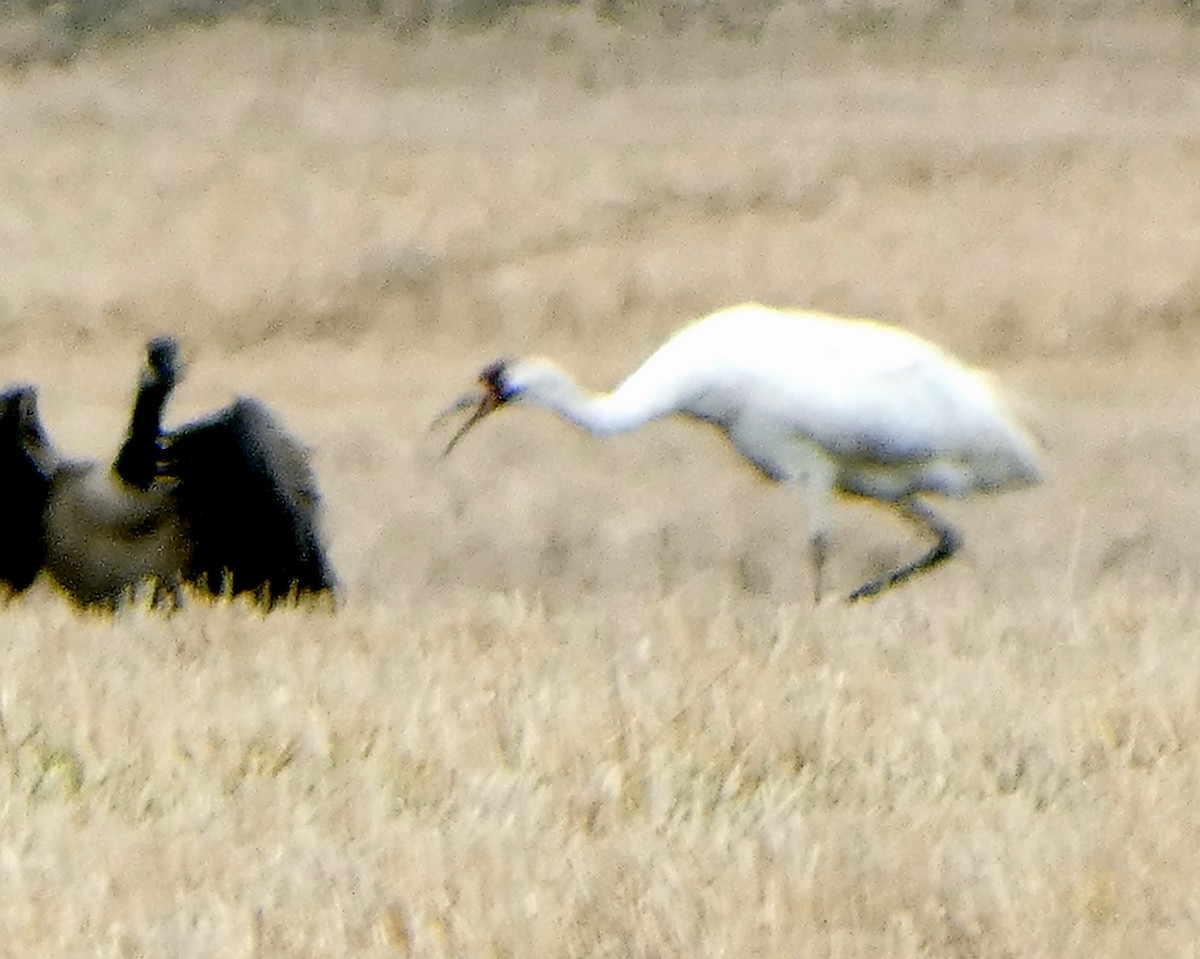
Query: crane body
{"points": [[832, 404]]}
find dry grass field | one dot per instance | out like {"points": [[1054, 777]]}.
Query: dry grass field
{"points": [[576, 699]]}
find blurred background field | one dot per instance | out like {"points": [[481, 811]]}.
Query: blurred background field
{"points": [[577, 700]]}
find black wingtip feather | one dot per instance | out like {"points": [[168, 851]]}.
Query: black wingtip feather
{"points": [[24, 488], [249, 502]]}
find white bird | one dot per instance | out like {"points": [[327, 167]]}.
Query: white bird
{"points": [[835, 405]]}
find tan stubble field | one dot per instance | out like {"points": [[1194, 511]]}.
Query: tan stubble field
{"points": [[576, 699]]}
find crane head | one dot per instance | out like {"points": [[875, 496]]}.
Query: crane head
{"points": [[492, 391]]}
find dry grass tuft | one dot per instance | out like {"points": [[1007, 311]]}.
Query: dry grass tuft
{"points": [[728, 777]]}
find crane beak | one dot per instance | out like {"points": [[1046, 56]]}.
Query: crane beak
{"points": [[480, 402]]}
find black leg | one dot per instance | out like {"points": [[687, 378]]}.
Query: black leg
{"points": [[948, 542], [167, 595], [818, 547]]}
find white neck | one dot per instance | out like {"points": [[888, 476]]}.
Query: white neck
{"points": [[601, 414]]}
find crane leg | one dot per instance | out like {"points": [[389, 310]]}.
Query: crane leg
{"points": [[817, 476], [818, 546], [948, 542]]}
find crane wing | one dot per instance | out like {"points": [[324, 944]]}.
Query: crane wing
{"points": [[248, 502]]}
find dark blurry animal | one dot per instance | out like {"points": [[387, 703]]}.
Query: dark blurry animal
{"points": [[227, 504], [26, 462]]}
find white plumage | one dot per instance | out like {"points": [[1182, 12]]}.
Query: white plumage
{"points": [[835, 405]]}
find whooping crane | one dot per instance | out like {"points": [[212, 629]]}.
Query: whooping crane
{"points": [[835, 405], [227, 503]]}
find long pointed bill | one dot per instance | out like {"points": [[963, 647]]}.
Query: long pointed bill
{"points": [[481, 403]]}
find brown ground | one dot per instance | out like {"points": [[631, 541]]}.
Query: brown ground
{"points": [[577, 700]]}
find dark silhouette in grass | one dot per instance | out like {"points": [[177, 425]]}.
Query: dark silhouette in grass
{"points": [[227, 504]]}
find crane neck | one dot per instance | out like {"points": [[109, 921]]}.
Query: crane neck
{"points": [[601, 414]]}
